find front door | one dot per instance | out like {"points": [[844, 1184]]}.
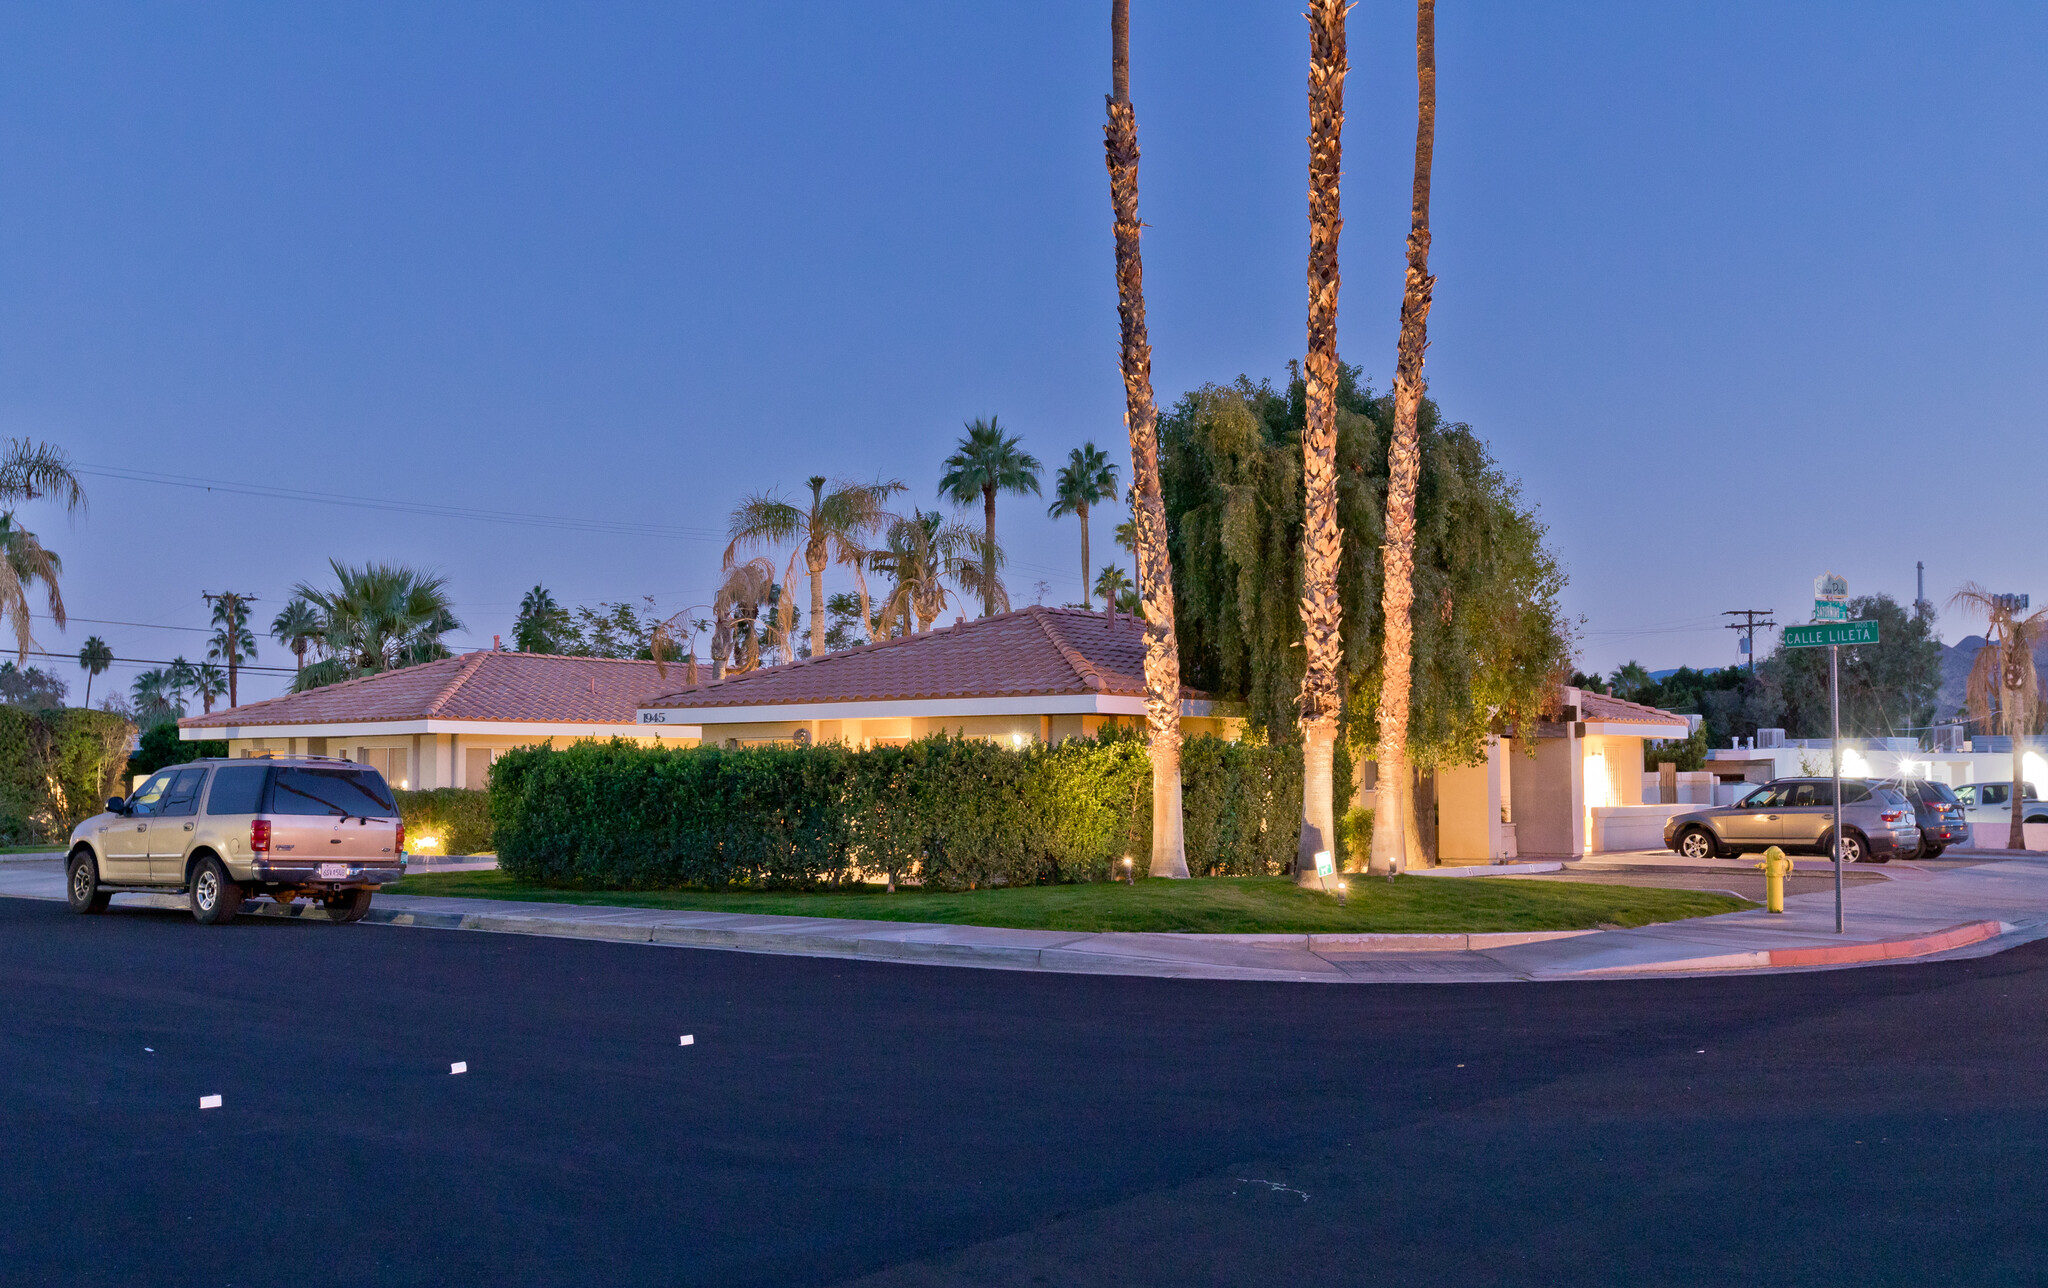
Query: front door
{"points": [[1808, 814], [170, 832], [124, 841], [1753, 823]]}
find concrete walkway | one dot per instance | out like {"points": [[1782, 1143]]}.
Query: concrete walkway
{"points": [[1963, 912]]}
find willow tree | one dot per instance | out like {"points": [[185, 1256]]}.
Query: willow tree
{"points": [[1322, 539], [1393, 816], [2004, 689], [1141, 418]]}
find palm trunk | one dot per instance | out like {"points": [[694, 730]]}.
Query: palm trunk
{"points": [[88, 690], [2016, 834], [818, 607], [1390, 846], [1322, 543], [988, 553], [1155, 570], [1086, 601]]}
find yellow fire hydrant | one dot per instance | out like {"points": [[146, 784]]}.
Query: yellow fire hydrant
{"points": [[1775, 866]]}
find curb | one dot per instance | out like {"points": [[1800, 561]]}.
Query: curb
{"points": [[1939, 941]]}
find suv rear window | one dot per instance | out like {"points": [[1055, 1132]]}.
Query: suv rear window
{"points": [[358, 793], [237, 789]]}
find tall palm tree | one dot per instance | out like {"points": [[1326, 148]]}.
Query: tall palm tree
{"points": [[378, 617], [232, 640], [833, 528], [210, 682], [23, 563], [2004, 689], [179, 676], [95, 658], [987, 461], [1393, 835], [1141, 418], [298, 626], [1087, 479]]}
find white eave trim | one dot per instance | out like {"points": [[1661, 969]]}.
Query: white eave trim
{"points": [[402, 728], [1036, 704], [1625, 729]]}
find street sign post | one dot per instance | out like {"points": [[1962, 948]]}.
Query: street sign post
{"points": [[1829, 631]]}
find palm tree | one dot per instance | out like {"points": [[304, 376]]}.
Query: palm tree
{"points": [[179, 676], [95, 658], [1112, 583], [210, 682], [23, 563], [378, 617], [155, 699], [232, 641], [298, 627], [2003, 688], [1141, 418], [834, 528], [1087, 479], [987, 461], [920, 554], [1393, 837]]}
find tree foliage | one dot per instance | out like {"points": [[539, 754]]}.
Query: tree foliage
{"points": [[1887, 688], [57, 768], [1491, 639], [376, 618]]}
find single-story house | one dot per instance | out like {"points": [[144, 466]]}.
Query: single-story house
{"points": [[441, 724], [1034, 675]]}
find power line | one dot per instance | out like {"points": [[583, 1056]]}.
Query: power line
{"points": [[1748, 628], [156, 661]]}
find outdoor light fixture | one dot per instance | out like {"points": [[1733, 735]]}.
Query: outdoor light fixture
{"points": [[1129, 877], [1342, 887], [427, 842]]}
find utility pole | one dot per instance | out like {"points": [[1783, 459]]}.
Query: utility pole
{"points": [[228, 605], [1748, 628]]}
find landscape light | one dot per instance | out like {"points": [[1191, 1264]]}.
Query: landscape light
{"points": [[1129, 878], [1341, 888], [427, 842]]}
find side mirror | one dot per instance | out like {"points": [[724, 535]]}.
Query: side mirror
{"points": [[117, 805]]}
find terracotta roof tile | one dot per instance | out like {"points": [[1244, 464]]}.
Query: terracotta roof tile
{"points": [[490, 685], [1598, 706], [1031, 651]]}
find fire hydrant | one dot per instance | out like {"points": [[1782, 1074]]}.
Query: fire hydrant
{"points": [[1775, 866]]}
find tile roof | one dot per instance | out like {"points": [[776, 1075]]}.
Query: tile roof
{"points": [[1598, 706], [1034, 650], [488, 685]]}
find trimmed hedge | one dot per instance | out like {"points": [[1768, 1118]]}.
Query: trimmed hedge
{"points": [[57, 768], [954, 813], [458, 818]]}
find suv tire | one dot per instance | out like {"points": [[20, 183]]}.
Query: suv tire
{"points": [[1854, 848], [1698, 843], [82, 884], [348, 906], [216, 897], [1931, 851]]}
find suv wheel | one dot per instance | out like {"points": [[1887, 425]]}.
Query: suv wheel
{"points": [[216, 897], [1853, 849], [348, 906], [1697, 843], [82, 884]]}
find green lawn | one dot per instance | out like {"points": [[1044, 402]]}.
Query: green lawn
{"points": [[55, 847], [1216, 905]]}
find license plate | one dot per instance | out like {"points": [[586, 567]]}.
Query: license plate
{"points": [[334, 871]]}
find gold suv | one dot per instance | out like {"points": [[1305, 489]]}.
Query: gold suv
{"points": [[224, 831]]}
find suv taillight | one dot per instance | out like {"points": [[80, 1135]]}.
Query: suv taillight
{"points": [[259, 836], [1894, 815], [398, 845]]}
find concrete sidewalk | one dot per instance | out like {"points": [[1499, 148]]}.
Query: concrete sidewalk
{"points": [[1965, 912]]}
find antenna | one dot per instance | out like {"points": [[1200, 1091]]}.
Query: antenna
{"points": [[1748, 628]]}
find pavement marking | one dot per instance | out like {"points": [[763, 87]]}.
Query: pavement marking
{"points": [[460, 1066], [209, 1102], [689, 1039]]}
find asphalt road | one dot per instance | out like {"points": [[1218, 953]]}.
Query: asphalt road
{"points": [[913, 1125]]}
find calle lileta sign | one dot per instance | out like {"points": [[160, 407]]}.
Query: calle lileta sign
{"points": [[1825, 634]]}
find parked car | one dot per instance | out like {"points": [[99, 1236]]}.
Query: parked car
{"points": [[1939, 812], [223, 831], [1797, 815], [1992, 803]]}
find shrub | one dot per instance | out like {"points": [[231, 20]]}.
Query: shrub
{"points": [[57, 768], [952, 812], [458, 818], [161, 746]]}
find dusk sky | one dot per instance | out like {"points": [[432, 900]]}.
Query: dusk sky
{"points": [[1739, 292]]}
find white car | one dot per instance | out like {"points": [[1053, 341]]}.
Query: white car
{"points": [[1992, 803]]}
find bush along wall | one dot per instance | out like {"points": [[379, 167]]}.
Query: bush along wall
{"points": [[455, 817], [951, 812], [57, 769]]}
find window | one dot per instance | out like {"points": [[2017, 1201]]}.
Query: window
{"points": [[354, 793], [1854, 793], [183, 797], [1808, 795], [1994, 793], [148, 802], [237, 789], [1765, 798]]}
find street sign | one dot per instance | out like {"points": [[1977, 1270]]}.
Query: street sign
{"points": [[1830, 598], [1823, 634], [1828, 610]]}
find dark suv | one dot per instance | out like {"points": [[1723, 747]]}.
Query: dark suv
{"points": [[1938, 812]]}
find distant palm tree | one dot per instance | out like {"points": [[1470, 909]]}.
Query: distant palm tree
{"points": [[1113, 584], [378, 617], [745, 607], [232, 640], [833, 528], [210, 681], [298, 627], [31, 471], [988, 461], [1087, 479], [95, 657], [1141, 421], [919, 555], [2003, 688], [179, 676], [155, 699]]}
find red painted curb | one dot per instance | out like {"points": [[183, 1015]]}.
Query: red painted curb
{"points": [[1972, 932]]}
